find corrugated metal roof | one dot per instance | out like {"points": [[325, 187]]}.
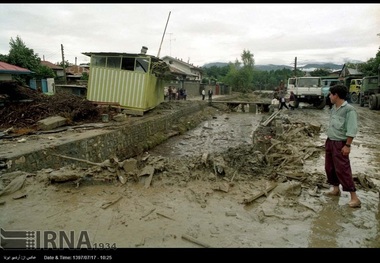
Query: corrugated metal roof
{"points": [[50, 65], [153, 58], [181, 62], [6, 68]]}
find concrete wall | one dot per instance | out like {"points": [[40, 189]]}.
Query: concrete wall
{"points": [[124, 142]]}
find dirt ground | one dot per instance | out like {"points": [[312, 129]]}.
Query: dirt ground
{"points": [[229, 183]]}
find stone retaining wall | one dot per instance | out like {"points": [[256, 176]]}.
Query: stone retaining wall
{"points": [[125, 142]]}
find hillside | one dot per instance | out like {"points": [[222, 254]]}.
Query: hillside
{"points": [[269, 67]]}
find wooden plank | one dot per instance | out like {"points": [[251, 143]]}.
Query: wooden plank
{"points": [[254, 197], [265, 123], [191, 239]]}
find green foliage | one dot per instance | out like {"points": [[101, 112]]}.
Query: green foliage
{"points": [[247, 59], [67, 64], [22, 56], [371, 68], [43, 72], [3, 58], [320, 72], [85, 76], [240, 78], [236, 76]]}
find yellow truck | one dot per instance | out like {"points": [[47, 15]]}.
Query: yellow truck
{"points": [[354, 90]]}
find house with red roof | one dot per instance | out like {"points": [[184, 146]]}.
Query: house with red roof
{"points": [[7, 70]]}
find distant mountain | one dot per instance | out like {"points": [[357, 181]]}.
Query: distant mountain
{"points": [[269, 67]]}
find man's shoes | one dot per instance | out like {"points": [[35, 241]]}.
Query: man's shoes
{"points": [[355, 204], [332, 193]]}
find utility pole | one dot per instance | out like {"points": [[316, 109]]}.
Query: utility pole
{"points": [[64, 66], [170, 42], [163, 35], [295, 67]]}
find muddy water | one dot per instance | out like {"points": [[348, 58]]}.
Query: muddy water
{"points": [[213, 136], [335, 225]]}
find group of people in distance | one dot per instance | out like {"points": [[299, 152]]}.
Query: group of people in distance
{"points": [[172, 93]]}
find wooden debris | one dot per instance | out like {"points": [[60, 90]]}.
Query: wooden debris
{"points": [[107, 163], [223, 187], [191, 239], [265, 123], [109, 203], [298, 178], [253, 198], [230, 213], [19, 197], [164, 216], [151, 211], [363, 181], [16, 184]]}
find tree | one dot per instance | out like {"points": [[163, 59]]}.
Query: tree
{"points": [[370, 68], [240, 78], [320, 72], [67, 64], [247, 59], [22, 56], [3, 58]]}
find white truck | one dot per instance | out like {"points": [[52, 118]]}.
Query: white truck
{"points": [[307, 90]]}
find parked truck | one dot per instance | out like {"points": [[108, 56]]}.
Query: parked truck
{"points": [[354, 90], [307, 90], [328, 82], [370, 91]]}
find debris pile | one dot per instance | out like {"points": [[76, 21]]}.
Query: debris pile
{"points": [[22, 107]]}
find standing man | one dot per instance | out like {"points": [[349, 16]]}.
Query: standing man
{"points": [[203, 94], [209, 94], [341, 131], [292, 100], [170, 92]]}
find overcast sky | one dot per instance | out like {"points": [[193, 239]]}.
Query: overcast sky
{"points": [[197, 33]]}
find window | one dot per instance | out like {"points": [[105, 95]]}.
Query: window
{"points": [[113, 62], [98, 61], [128, 63], [142, 64]]}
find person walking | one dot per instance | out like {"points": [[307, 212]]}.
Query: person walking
{"points": [[341, 131], [283, 102], [203, 94]]}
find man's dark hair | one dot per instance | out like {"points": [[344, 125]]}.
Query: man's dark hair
{"points": [[339, 89]]}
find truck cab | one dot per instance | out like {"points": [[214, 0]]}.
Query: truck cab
{"points": [[369, 93], [326, 84], [307, 90], [354, 90]]}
